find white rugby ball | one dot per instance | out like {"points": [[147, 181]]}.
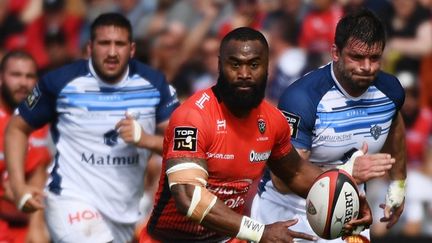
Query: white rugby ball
{"points": [[332, 201]]}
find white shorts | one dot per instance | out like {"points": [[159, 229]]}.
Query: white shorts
{"points": [[72, 220], [418, 191], [272, 207]]}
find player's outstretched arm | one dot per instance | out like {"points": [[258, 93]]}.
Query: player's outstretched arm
{"points": [[187, 178], [27, 198], [297, 173], [395, 198]]}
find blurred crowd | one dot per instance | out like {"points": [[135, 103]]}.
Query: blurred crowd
{"points": [[181, 38]]}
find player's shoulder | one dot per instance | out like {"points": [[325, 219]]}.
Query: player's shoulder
{"points": [[387, 82], [391, 87], [270, 108], [309, 88], [137, 68], [200, 102], [56, 79]]}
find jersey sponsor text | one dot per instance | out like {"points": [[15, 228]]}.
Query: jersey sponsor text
{"points": [[93, 159]]}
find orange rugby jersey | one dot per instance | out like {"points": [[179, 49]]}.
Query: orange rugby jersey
{"points": [[236, 151]]}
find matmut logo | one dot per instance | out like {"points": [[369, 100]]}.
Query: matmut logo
{"points": [[259, 156]]}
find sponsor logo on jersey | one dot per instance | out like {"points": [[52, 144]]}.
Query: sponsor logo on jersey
{"points": [[261, 125], [220, 156], [232, 193], [293, 121], [185, 139], [33, 97], [221, 125], [335, 137], [110, 160], [259, 156], [376, 131], [111, 137]]}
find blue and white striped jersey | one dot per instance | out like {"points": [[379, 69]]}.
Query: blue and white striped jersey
{"points": [[92, 163], [327, 121]]}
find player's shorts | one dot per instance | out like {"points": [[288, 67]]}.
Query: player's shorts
{"points": [[72, 220], [272, 207], [417, 195], [145, 237]]}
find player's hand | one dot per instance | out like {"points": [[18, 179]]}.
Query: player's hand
{"points": [[364, 220], [391, 215], [369, 166], [29, 199], [129, 130], [280, 232]]}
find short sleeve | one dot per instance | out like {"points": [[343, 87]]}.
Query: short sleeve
{"points": [[168, 101], [186, 135], [39, 108], [299, 112], [282, 145]]}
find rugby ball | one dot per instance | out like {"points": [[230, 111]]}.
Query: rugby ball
{"points": [[332, 201]]}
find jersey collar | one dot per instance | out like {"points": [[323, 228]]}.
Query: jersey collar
{"points": [[339, 86]]}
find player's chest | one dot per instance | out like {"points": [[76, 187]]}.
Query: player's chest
{"points": [[240, 150]]}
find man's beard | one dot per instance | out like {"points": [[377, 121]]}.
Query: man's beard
{"points": [[236, 99], [8, 98]]}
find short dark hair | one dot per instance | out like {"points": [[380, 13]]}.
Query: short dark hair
{"points": [[362, 25], [15, 54], [243, 34], [111, 19]]}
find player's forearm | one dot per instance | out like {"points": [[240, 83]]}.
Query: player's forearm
{"points": [[396, 146], [223, 220], [216, 217], [15, 148], [295, 171], [151, 142]]}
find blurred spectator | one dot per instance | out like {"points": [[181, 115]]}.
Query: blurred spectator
{"points": [[426, 70], [296, 9], [288, 61], [317, 31], [57, 51], [246, 13], [418, 122], [209, 55], [93, 9], [135, 10], [409, 32], [54, 19], [11, 28], [174, 48]]}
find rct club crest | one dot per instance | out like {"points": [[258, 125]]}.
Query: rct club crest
{"points": [[261, 126], [376, 131]]}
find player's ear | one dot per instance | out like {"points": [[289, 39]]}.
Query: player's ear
{"points": [[89, 48], [335, 53], [132, 50]]}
